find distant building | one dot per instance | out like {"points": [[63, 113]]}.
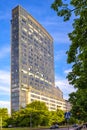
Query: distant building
{"points": [[68, 105], [32, 63]]}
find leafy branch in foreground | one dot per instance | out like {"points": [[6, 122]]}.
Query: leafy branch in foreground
{"points": [[65, 8], [77, 53]]}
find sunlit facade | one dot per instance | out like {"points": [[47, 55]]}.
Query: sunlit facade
{"points": [[32, 63]]}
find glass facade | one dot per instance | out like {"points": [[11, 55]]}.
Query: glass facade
{"points": [[32, 59]]}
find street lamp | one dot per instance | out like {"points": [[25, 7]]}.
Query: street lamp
{"points": [[30, 120], [67, 116], [1, 122]]}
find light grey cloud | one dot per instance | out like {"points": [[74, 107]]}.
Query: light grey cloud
{"points": [[55, 20], [64, 86], [67, 71], [4, 16], [4, 83], [50, 23], [59, 55], [56, 23], [4, 51], [60, 38], [4, 77], [5, 104], [4, 90], [57, 28]]}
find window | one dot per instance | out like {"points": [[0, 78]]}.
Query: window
{"points": [[24, 21]]}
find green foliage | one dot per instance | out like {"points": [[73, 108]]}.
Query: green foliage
{"points": [[61, 9], [4, 116], [35, 114], [56, 117], [60, 115], [73, 120], [77, 53], [37, 105], [65, 8], [79, 109]]}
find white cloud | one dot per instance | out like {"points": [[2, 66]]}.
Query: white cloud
{"points": [[4, 16], [5, 104], [4, 82], [55, 21], [67, 71], [59, 55], [60, 37], [4, 51], [49, 23], [4, 89], [58, 28], [4, 77], [64, 86]]}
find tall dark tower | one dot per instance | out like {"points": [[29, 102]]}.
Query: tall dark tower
{"points": [[32, 62]]}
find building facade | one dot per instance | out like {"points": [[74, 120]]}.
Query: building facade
{"points": [[32, 63]]}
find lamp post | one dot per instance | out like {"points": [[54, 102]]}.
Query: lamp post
{"points": [[67, 116], [30, 120], [1, 122]]}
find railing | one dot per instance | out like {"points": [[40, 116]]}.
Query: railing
{"points": [[85, 125], [79, 127]]}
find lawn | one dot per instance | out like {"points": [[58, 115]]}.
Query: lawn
{"points": [[16, 129], [20, 129]]}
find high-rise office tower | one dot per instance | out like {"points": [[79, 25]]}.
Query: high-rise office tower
{"points": [[32, 63]]}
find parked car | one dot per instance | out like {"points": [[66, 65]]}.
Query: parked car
{"points": [[54, 126], [75, 125], [9, 126], [85, 125]]}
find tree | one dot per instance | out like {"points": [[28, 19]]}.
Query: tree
{"points": [[35, 114], [37, 105], [4, 116], [79, 109], [60, 115], [40, 113], [77, 53], [56, 117]]}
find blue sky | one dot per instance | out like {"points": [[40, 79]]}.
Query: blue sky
{"points": [[58, 29]]}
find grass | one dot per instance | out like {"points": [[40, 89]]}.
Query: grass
{"points": [[16, 129], [20, 128]]}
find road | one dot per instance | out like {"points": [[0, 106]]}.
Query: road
{"points": [[59, 129]]}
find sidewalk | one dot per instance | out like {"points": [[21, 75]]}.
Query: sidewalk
{"points": [[84, 128]]}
